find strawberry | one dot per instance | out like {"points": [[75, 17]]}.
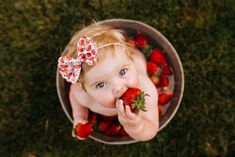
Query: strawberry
{"points": [[159, 90], [108, 118], [155, 79], [131, 42], [158, 57], [160, 111], [164, 81], [123, 132], [115, 129], [134, 98], [103, 125], [108, 132], [152, 68], [166, 70], [141, 40], [93, 119], [83, 130], [163, 99]]}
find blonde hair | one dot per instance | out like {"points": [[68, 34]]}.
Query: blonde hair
{"points": [[105, 38]]}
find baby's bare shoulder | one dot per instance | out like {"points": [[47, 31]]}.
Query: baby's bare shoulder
{"points": [[75, 89], [148, 87], [139, 60], [151, 101], [78, 94]]}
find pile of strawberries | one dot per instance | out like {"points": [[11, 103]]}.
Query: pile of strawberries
{"points": [[159, 72], [158, 69]]}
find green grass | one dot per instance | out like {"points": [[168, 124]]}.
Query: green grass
{"points": [[34, 33]]}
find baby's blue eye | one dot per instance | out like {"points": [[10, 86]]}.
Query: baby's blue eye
{"points": [[100, 85], [123, 72]]}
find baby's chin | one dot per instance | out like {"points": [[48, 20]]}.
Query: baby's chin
{"points": [[109, 105]]}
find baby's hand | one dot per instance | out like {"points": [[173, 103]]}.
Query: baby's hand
{"points": [[81, 129], [74, 134], [126, 117]]}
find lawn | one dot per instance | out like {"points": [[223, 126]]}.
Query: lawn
{"points": [[34, 33]]}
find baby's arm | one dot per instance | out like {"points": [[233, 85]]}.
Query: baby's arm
{"points": [[80, 113], [138, 126], [144, 125], [140, 61]]}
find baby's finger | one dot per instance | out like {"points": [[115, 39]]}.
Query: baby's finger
{"points": [[121, 109], [117, 104], [129, 114]]}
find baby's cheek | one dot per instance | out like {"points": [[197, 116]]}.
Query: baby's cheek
{"points": [[105, 99], [133, 81]]}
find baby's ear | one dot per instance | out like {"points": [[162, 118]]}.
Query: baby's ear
{"points": [[79, 85]]}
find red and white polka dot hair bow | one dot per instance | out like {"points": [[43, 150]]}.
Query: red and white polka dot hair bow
{"points": [[70, 68]]}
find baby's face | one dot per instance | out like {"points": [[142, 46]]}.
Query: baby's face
{"points": [[110, 78]]}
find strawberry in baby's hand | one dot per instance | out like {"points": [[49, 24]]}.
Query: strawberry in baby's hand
{"points": [[83, 130], [134, 98], [158, 57]]}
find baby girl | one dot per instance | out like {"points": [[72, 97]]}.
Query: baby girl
{"points": [[102, 73]]}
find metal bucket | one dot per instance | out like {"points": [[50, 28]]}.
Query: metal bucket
{"points": [[173, 59]]}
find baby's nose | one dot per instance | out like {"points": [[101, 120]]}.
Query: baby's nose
{"points": [[118, 90]]}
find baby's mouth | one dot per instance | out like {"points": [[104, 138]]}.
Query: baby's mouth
{"points": [[121, 93]]}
